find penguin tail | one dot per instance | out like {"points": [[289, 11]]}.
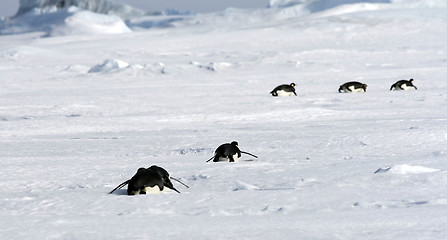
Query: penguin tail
{"points": [[120, 186], [391, 87], [249, 154]]}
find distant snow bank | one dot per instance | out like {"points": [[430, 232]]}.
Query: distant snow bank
{"points": [[97, 6], [68, 21], [76, 17], [86, 22]]}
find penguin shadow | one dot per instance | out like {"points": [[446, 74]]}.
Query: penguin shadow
{"points": [[119, 192]]}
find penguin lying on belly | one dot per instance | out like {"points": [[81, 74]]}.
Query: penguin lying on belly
{"points": [[152, 179], [284, 90], [228, 152], [352, 87], [403, 85]]}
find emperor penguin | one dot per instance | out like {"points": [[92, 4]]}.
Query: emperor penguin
{"points": [[352, 87], [284, 90], [403, 85], [228, 152], [153, 179]]}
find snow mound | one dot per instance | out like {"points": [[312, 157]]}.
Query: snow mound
{"points": [[406, 169], [108, 66], [67, 21]]}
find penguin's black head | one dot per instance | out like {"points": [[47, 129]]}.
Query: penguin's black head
{"points": [[164, 177], [364, 86], [234, 143], [411, 80], [292, 84], [167, 183]]}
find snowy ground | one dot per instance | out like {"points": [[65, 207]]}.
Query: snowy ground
{"points": [[331, 166]]}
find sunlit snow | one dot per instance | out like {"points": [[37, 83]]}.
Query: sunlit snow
{"points": [[86, 99]]}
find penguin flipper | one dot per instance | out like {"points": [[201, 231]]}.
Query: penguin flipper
{"points": [[120, 186], [210, 159], [249, 154]]}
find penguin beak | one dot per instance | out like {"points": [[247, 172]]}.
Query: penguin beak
{"points": [[169, 185], [172, 187]]}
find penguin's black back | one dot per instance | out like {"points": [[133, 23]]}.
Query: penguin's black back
{"points": [[398, 84], [227, 149], [354, 84], [285, 88], [145, 178]]}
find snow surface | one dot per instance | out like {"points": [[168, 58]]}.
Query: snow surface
{"points": [[331, 166]]}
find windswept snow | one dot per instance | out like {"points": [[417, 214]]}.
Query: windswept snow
{"points": [[79, 114]]}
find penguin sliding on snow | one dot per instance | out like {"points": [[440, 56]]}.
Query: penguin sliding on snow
{"points": [[352, 87], [147, 179], [228, 152], [403, 85], [284, 90]]}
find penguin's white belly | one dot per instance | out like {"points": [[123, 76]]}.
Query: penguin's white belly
{"points": [[282, 93], [226, 159], [405, 87], [152, 190], [353, 89]]}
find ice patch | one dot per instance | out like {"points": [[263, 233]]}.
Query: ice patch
{"points": [[190, 150], [244, 186], [108, 65], [389, 204], [212, 66]]}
